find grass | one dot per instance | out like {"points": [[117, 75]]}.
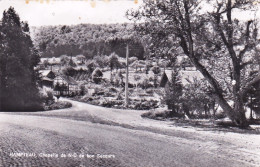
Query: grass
{"points": [[210, 124]]}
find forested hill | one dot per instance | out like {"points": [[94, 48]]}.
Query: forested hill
{"points": [[87, 39]]}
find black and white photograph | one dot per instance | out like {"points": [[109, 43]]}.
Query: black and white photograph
{"points": [[129, 83]]}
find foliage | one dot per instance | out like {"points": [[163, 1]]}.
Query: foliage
{"points": [[18, 59], [86, 39], [72, 63], [83, 90], [102, 61], [114, 62], [156, 69], [50, 98], [252, 99], [144, 105], [173, 92], [117, 79], [195, 100], [58, 105], [46, 63], [47, 96], [97, 75], [145, 84], [220, 46], [69, 71], [64, 60], [91, 65], [161, 115], [65, 29], [111, 103]]}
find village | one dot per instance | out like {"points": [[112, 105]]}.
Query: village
{"points": [[105, 86]]}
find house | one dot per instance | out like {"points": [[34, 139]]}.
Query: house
{"points": [[48, 73], [138, 64], [47, 78], [65, 85], [52, 64], [187, 76], [47, 82]]}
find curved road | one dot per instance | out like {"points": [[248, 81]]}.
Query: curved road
{"points": [[78, 137]]}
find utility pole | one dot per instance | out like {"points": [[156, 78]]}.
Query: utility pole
{"points": [[126, 78]]}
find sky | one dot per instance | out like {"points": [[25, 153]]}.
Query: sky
{"points": [[67, 12], [61, 12]]}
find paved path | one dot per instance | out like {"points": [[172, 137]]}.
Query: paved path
{"points": [[116, 138]]}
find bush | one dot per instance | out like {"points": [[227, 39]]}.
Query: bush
{"points": [[58, 105], [149, 91], [156, 69], [112, 90], [114, 61], [195, 99], [83, 90], [101, 93], [132, 59], [145, 105], [47, 96], [145, 84], [69, 71], [91, 65], [112, 103], [108, 94], [161, 114]]}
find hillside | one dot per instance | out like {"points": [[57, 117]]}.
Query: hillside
{"points": [[87, 39]]}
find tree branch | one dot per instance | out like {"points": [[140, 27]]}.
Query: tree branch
{"points": [[246, 88], [247, 46]]}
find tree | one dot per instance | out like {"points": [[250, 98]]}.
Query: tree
{"points": [[64, 60], [102, 61], [72, 63], [82, 90], [85, 39], [69, 71], [18, 59], [65, 29], [97, 75], [91, 65], [195, 99], [252, 100], [213, 40], [113, 61], [173, 92], [156, 70], [46, 63]]}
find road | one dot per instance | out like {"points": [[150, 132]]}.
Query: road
{"points": [[110, 139]]}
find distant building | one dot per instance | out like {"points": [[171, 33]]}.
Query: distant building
{"points": [[53, 64], [67, 85], [47, 78], [186, 77], [48, 73]]}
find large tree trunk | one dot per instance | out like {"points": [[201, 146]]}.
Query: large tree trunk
{"points": [[236, 114], [239, 111]]}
